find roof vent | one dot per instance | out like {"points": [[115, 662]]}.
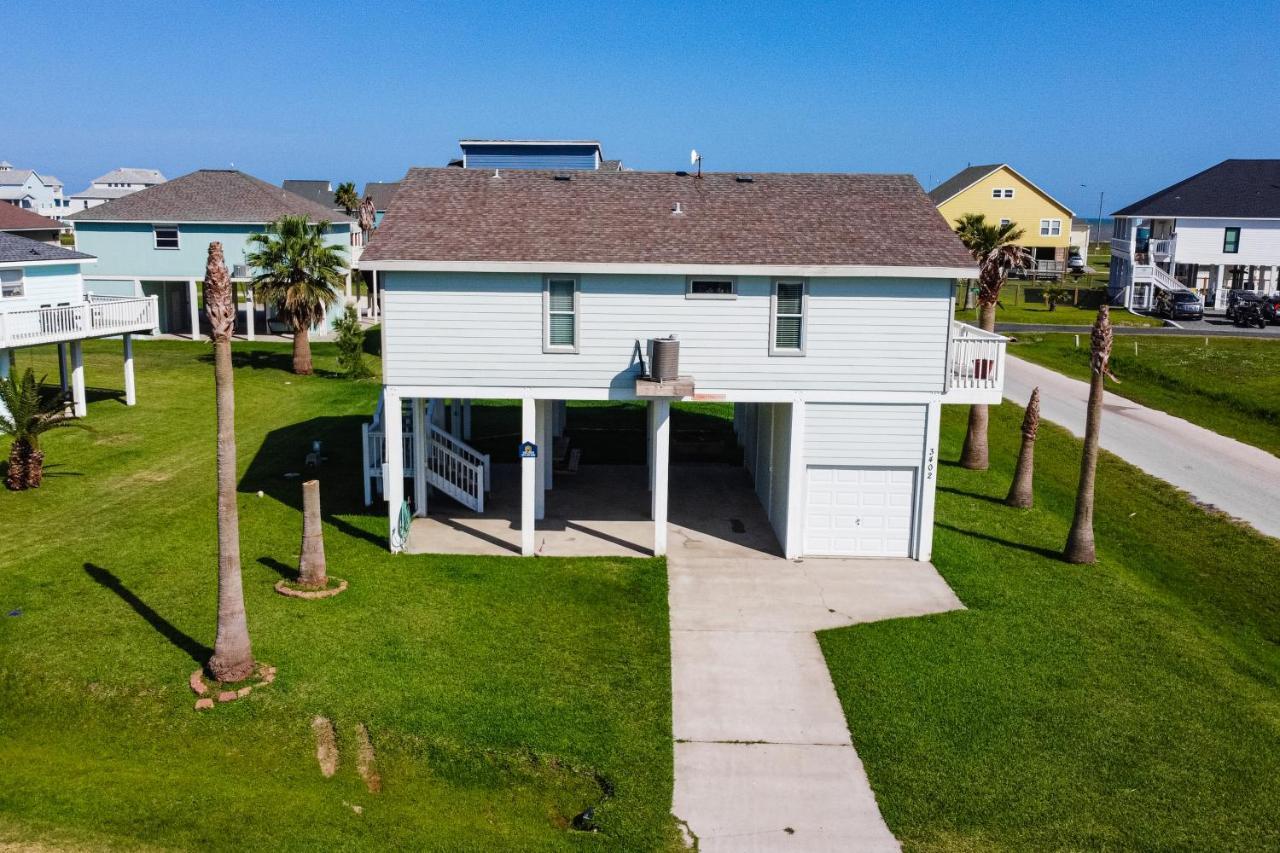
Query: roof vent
{"points": [[677, 210], [562, 177], [495, 174], [681, 173], [745, 179]]}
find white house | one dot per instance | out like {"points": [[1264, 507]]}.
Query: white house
{"points": [[819, 305], [113, 185], [30, 190], [43, 301], [1214, 232]]}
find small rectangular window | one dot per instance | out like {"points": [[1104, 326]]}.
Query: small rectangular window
{"points": [[1008, 193], [711, 288], [789, 303], [167, 237], [1050, 227], [995, 193], [1231, 241], [560, 298], [11, 286], [1004, 222]]}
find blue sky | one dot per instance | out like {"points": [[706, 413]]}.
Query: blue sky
{"points": [[1125, 98]]}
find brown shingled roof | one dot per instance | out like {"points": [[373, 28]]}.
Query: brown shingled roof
{"points": [[776, 219], [209, 195], [14, 218]]}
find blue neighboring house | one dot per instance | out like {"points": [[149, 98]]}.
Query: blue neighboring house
{"points": [[556, 154], [155, 242]]}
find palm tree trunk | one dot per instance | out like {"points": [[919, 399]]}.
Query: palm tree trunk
{"points": [[15, 479], [302, 351], [312, 571], [974, 455], [232, 657], [1080, 546], [1021, 493], [35, 468]]}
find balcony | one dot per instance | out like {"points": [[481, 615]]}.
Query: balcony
{"points": [[96, 317], [975, 365]]}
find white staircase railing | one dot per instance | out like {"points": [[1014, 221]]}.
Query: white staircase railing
{"points": [[453, 467]]}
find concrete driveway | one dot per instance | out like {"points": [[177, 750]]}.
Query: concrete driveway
{"points": [[764, 760], [1234, 477]]}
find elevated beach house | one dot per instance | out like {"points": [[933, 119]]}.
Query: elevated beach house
{"points": [[43, 301], [1002, 195], [1214, 232], [818, 305], [154, 242]]}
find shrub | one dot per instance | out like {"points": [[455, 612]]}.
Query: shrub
{"points": [[1055, 295], [350, 341]]}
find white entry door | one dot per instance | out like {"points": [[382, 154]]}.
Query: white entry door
{"points": [[859, 512]]}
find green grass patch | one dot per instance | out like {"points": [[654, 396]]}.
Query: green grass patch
{"points": [[503, 696], [1131, 705], [1062, 315], [1228, 385]]}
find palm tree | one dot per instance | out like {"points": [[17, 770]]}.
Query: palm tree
{"points": [[995, 249], [368, 214], [347, 198], [232, 656], [1080, 547], [25, 415], [312, 570], [1020, 491], [301, 275]]}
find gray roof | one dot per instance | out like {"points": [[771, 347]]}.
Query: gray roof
{"points": [[15, 249], [320, 192], [382, 193], [781, 219], [12, 177], [105, 192], [129, 175], [1245, 189], [209, 195], [957, 182]]}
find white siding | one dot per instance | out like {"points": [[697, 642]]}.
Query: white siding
{"points": [[1200, 241], [865, 434], [486, 329], [51, 285]]}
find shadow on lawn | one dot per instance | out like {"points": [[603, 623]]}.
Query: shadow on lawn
{"points": [[199, 652], [995, 540], [260, 359], [285, 572], [974, 495], [284, 451]]}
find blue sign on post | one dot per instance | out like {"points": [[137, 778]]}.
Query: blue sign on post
{"points": [[528, 450]]}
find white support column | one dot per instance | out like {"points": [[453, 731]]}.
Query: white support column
{"points": [[249, 311], [393, 469], [797, 475], [63, 377], [928, 483], [130, 389], [540, 474], [455, 418], [528, 477], [194, 298], [5, 360], [420, 489], [651, 413], [661, 464], [466, 420], [79, 405]]}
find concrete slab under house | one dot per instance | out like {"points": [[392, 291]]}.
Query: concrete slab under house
{"points": [[817, 306]]}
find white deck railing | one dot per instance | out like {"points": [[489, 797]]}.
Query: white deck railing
{"points": [[453, 466], [1121, 246], [976, 359], [97, 317]]}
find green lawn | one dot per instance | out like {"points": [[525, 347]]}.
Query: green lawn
{"points": [[503, 696], [1062, 315], [1228, 385], [1131, 705]]}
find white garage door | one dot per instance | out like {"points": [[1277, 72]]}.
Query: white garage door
{"points": [[858, 512]]}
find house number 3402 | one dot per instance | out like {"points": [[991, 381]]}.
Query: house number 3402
{"points": [[929, 464]]}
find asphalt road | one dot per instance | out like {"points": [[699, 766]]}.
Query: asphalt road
{"points": [[1212, 327], [1236, 478]]}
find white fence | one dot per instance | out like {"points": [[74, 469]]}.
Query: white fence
{"points": [[97, 317], [976, 359]]}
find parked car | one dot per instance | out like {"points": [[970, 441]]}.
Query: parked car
{"points": [[1075, 265], [1236, 297], [1179, 303], [1249, 313], [1271, 308]]}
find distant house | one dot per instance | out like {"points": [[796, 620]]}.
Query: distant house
{"points": [[382, 193], [113, 185], [1003, 195], [31, 190], [564, 154], [43, 301], [154, 242], [24, 223], [1214, 232]]}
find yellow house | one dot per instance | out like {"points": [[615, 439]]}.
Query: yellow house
{"points": [[1003, 195]]}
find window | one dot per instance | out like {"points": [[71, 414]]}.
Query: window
{"points": [[1050, 227], [1004, 222], [166, 237], [788, 332], [560, 323], [711, 288], [11, 284], [1002, 192], [1231, 241]]}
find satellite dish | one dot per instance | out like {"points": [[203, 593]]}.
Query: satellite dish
{"points": [[694, 157]]}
